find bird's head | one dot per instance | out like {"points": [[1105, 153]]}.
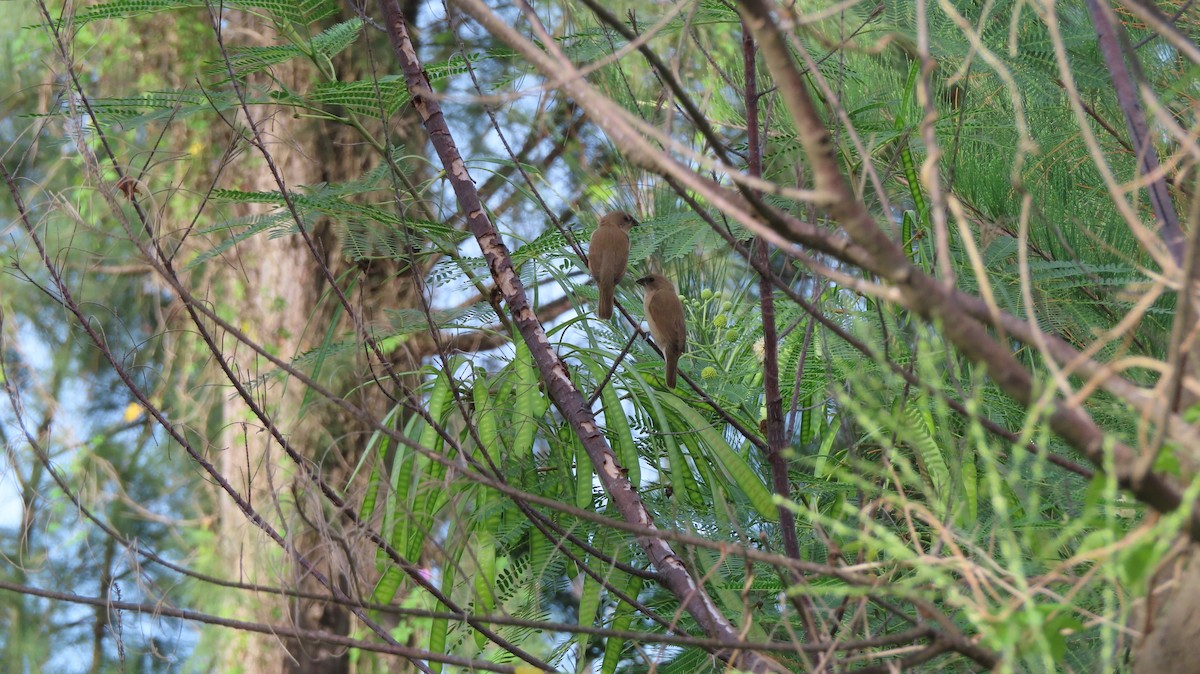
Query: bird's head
{"points": [[653, 281], [619, 219]]}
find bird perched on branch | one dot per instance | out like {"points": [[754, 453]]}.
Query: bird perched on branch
{"points": [[608, 256], [664, 313]]}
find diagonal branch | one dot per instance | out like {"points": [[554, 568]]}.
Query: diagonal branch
{"points": [[934, 301], [772, 397], [485, 338], [569, 400], [1163, 25], [1110, 34], [414, 655]]}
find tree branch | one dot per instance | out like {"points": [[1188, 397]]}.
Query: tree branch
{"points": [[1110, 34], [773, 398], [415, 655], [569, 400], [932, 300], [485, 339]]}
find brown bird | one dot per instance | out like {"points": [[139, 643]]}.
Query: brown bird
{"points": [[664, 312], [608, 257]]}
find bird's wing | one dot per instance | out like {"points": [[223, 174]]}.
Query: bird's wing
{"points": [[615, 244], [665, 315]]}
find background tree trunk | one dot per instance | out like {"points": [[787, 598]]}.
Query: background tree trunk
{"points": [[1173, 627], [286, 304]]}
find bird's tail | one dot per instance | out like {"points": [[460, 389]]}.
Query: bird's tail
{"points": [[672, 356], [606, 303]]}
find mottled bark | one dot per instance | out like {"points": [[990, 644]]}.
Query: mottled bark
{"points": [[281, 294], [1170, 618]]}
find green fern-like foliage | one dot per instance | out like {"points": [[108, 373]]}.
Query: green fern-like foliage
{"points": [[302, 11], [368, 98], [244, 61], [154, 107]]}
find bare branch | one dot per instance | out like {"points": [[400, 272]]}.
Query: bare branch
{"points": [[414, 655], [931, 299], [1111, 35], [570, 401]]}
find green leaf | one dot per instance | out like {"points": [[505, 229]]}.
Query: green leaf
{"points": [[485, 575], [437, 631], [820, 466], [583, 475], [1057, 624], [367, 98], [968, 515], [378, 446], [589, 601], [928, 453], [622, 619], [617, 426], [807, 412], [428, 501], [246, 60], [730, 461], [528, 399], [485, 417], [388, 585], [681, 473], [299, 11]]}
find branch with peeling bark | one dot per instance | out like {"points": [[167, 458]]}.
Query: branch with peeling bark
{"points": [[569, 400]]}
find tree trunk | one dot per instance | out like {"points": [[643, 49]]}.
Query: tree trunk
{"points": [[1172, 629], [284, 303]]}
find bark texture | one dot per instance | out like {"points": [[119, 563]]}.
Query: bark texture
{"points": [[1172, 628], [282, 296]]}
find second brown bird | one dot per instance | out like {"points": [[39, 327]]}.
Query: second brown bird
{"points": [[664, 313], [608, 256]]}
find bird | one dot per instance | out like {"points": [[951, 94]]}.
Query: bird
{"points": [[664, 313], [608, 256]]}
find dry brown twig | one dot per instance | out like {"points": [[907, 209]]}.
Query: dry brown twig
{"points": [[957, 313]]}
